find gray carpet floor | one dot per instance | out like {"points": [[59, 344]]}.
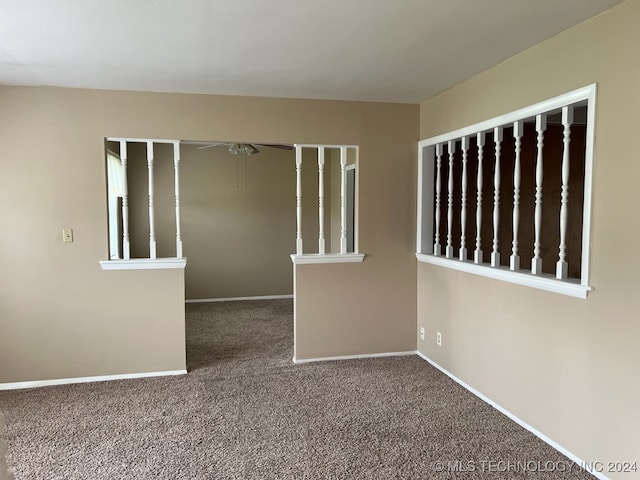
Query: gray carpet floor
{"points": [[245, 411]]}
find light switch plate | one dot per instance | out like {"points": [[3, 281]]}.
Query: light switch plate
{"points": [[67, 235]]}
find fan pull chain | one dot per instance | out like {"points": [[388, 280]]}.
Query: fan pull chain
{"points": [[237, 181]]}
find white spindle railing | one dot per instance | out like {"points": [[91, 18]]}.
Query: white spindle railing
{"points": [[126, 248], [536, 261], [343, 200], [299, 200], [152, 228], [337, 241], [151, 161], [463, 209], [321, 241], [562, 266], [176, 168], [449, 250], [514, 260], [436, 245], [477, 254], [495, 253], [533, 146]]}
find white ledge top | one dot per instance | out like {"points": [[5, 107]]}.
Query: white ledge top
{"points": [[144, 264], [327, 258], [544, 282]]}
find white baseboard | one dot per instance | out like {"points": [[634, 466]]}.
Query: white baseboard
{"points": [[519, 421], [353, 357], [235, 299], [103, 378]]}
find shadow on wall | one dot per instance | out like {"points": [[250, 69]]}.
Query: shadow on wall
{"points": [[4, 474]]}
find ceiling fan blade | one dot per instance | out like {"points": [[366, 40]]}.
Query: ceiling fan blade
{"points": [[210, 145], [275, 145], [253, 149]]}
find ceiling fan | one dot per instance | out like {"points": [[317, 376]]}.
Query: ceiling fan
{"points": [[236, 148]]}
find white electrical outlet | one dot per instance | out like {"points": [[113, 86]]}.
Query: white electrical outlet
{"points": [[421, 333], [439, 339]]}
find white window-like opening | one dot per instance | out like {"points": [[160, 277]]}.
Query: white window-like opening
{"points": [[118, 207], [510, 198], [337, 211], [337, 217]]}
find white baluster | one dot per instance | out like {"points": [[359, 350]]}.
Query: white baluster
{"points": [[514, 260], [449, 250], [321, 244], [343, 199], [436, 246], [298, 200], [497, 139], [477, 254], [176, 165], [463, 210], [536, 261], [126, 249], [562, 266], [152, 228]]}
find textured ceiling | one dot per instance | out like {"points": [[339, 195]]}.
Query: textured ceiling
{"points": [[376, 50]]}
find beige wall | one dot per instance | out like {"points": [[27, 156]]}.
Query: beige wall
{"points": [[62, 316], [568, 367], [369, 307]]}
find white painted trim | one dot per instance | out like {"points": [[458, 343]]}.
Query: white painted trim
{"points": [[235, 299], [144, 264], [511, 416], [356, 206], [543, 282], [308, 258], [584, 93], [101, 378], [320, 145], [420, 200], [354, 357], [142, 140], [588, 186]]}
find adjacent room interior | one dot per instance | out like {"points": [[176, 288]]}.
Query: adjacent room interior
{"points": [[424, 266]]}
